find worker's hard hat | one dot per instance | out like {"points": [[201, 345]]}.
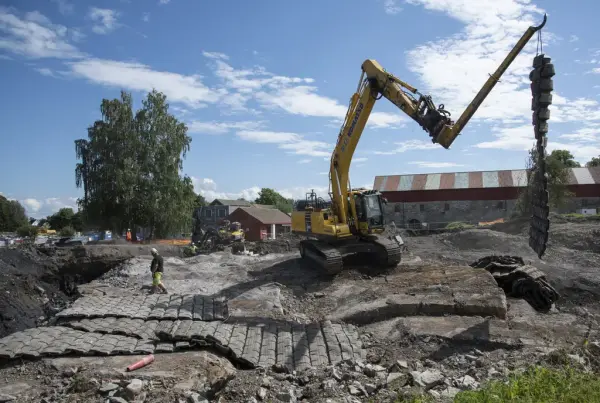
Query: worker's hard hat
{"points": [[154, 251]]}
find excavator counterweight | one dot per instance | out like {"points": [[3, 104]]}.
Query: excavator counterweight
{"points": [[354, 220]]}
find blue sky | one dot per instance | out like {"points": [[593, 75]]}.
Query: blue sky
{"points": [[263, 85]]}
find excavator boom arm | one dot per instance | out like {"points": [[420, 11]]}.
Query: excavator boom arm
{"points": [[374, 83]]}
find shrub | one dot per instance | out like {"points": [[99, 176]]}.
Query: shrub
{"points": [[67, 231]]}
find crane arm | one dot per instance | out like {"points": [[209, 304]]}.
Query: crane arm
{"points": [[374, 83]]}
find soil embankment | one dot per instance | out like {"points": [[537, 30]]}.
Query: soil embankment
{"points": [[35, 283]]}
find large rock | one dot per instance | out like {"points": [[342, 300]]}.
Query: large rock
{"points": [[423, 290]]}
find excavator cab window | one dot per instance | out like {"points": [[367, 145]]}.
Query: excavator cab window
{"points": [[371, 211]]}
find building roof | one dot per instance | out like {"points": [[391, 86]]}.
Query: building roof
{"points": [[227, 202], [473, 180], [268, 215], [264, 205]]}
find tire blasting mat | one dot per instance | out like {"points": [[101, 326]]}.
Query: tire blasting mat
{"points": [[163, 324]]}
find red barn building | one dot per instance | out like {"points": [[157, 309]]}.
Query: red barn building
{"points": [[262, 223], [440, 198]]}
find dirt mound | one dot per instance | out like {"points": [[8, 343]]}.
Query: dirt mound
{"points": [[573, 232], [485, 240], [37, 282], [584, 236], [30, 288]]}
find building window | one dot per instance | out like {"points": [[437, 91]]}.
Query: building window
{"points": [[446, 206], [501, 205], [584, 202], [421, 208], [398, 208], [208, 213], [221, 212]]}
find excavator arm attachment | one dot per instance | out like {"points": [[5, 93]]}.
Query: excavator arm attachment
{"points": [[436, 120]]}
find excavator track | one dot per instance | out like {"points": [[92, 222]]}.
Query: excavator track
{"points": [[393, 251], [321, 254], [329, 259]]}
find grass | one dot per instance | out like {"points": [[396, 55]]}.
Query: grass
{"points": [[584, 217], [538, 384], [458, 225]]}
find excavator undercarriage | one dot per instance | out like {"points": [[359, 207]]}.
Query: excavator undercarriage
{"points": [[328, 256]]}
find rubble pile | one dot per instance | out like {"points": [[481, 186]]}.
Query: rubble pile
{"points": [[282, 244], [520, 280]]}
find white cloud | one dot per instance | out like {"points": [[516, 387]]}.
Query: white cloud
{"points": [[268, 137], [64, 7], [573, 38], [48, 206], [215, 55], [303, 100], [293, 143], [454, 68], [428, 164], [222, 127], [304, 161], [105, 20], [208, 188], [391, 7], [146, 17], [359, 159], [409, 145], [290, 94], [45, 71], [135, 76], [164, 1], [32, 205], [35, 37], [584, 142]]}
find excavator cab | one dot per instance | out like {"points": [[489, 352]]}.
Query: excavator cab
{"points": [[369, 211]]}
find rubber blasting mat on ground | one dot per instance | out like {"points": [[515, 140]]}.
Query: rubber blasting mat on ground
{"points": [[291, 345], [197, 307]]}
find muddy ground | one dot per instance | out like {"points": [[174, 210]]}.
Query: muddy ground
{"points": [[439, 354]]}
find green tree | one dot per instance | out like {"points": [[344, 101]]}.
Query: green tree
{"points": [[27, 231], [565, 158], [594, 162], [130, 168], [77, 221], [67, 231], [557, 170], [62, 218], [12, 215], [200, 201], [273, 198]]}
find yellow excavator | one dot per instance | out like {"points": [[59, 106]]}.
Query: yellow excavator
{"points": [[353, 222]]}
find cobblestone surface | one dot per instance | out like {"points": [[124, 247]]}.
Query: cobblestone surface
{"points": [[146, 307], [289, 345]]}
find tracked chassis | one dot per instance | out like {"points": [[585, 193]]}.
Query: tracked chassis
{"points": [[328, 256]]}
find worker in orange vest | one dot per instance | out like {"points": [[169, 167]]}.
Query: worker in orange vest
{"points": [[128, 236]]}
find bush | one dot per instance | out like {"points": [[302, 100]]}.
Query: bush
{"points": [[27, 231], [67, 231]]}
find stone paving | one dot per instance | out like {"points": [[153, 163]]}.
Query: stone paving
{"points": [[188, 306], [290, 345], [143, 324]]}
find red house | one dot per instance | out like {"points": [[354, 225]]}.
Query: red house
{"points": [[261, 223]]}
